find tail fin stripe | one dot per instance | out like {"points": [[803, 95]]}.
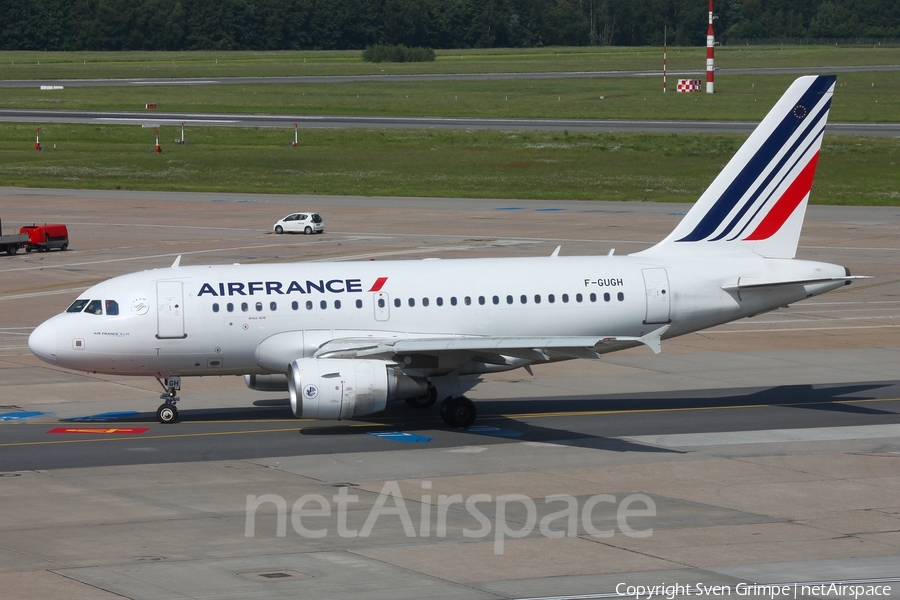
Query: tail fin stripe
{"points": [[786, 205], [790, 155], [800, 156], [761, 159]]}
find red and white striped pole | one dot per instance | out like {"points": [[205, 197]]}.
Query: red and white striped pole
{"points": [[157, 148], [296, 140], [664, 59], [182, 133], [710, 53], [37, 139]]}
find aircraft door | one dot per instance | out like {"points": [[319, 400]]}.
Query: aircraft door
{"points": [[382, 306], [656, 284], [170, 310]]}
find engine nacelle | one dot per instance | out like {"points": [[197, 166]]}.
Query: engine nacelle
{"points": [[344, 388], [267, 383]]}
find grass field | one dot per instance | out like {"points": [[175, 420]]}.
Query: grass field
{"points": [[439, 163], [423, 163], [858, 97], [60, 65]]}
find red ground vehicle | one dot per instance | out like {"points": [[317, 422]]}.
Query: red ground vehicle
{"points": [[46, 237]]}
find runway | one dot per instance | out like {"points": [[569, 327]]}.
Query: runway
{"points": [[127, 82], [380, 122], [767, 448]]}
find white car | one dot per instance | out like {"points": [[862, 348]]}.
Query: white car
{"points": [[307, 223]]}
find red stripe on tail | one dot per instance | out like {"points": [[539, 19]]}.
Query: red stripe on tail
{"points": [[786, 205]]}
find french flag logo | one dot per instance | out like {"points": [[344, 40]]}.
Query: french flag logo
{"points": [[379, 283]]}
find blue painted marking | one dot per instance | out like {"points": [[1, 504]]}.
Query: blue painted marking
{"points": [[103, 417], [494, 431], [19, 415], [401, 436], [510, 208], [549, 209]]}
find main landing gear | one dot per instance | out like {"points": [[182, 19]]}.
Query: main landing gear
{"points": [[167, 412], [457, 412]]}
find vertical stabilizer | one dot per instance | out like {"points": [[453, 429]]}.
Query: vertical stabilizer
{"points": [[758, 201]]}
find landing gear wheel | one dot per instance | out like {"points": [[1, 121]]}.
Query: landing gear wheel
{"points": [[308, 230], [279, 230], [458, 412], [424, 401], [166, 413]]}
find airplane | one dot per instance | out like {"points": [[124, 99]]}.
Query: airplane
{"points": [[346, 338]]}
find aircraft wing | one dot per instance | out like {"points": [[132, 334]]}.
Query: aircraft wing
{"points": [[531, 348]]}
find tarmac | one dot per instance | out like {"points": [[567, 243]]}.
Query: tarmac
{"points": [[765, 451]]}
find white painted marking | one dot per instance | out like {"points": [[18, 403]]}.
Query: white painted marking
{"points": [[769, 436]]}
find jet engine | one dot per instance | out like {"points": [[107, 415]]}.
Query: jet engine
{"points": [[344, 388]]}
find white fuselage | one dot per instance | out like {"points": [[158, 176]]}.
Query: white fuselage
{"points": [[210, 320]]}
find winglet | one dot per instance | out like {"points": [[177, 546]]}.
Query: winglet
{"points": [[556, 252], [177, 262], [653, 339]]}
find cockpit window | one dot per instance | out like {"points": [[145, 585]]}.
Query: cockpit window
{"points": [[77, 306], [112, 307], [94, 307]]}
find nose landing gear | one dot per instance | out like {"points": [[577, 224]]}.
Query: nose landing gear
{"points": [[167, 412]]}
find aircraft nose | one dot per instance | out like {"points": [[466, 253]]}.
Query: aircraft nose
{"points": [[42, 342]]}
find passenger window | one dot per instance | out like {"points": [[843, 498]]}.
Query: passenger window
{"points": [[245, 307], [230, 307], [359, 303], [593, 297], [215, 307], [606, 297], [411, 302], [309, 305], [337, 303], [496, 299], [523, 299], [509, 299], [77, 306], [565, 297], [468, 301], [273, 306], [578, 297], [440, 301], [397, 302], [112, 307], [323, 305], [453, 300], [424, 301], [259, 307], [620, 296], [481, 300], [537, 298], [295, 305], [94, 307], [551, 298]]}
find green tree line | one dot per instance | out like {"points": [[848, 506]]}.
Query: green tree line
{"points": [[356, 24]]}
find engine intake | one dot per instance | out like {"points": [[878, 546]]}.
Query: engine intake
{"points": [[344, 388]]}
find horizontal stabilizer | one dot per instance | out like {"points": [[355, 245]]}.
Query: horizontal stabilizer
{"points": [[775, 284]]}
